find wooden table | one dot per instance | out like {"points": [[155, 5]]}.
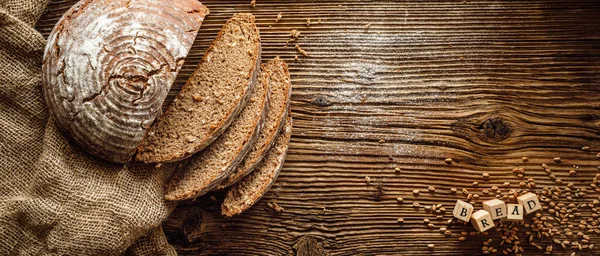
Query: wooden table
{"points": [[406, 85]]}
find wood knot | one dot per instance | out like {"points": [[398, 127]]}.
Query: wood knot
{"points": [[496, 128], [308, 246], [321, 102]]}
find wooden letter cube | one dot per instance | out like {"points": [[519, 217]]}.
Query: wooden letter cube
{"points": [[496, 208], [530, 202], [482, 220], [515, 212], [462, 210]]}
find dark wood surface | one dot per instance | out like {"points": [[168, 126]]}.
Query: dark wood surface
{"points": [[409, 84]]}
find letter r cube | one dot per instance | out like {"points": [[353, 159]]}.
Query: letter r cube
{"points": [[482, 220]]}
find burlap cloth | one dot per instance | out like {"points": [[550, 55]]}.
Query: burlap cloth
{"points": [[54, 199]]}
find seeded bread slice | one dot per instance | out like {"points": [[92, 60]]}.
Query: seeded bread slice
{"points": [[211, 98], [279, 102], [242, 195], [207, 169]]}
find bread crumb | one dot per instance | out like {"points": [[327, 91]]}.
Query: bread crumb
{"points": [[295, 34], [253, 3], [279, 16], [296, 57], [197, 97], [275, 207], [381, 141], [302, 51], [308, 22]]}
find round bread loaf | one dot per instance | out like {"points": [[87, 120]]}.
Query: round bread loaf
{"points": [[109, 65]]}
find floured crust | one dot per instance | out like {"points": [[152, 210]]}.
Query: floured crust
{"points": [[242, 195], [277, 114], [166, 144], [109, 65], [205, 170]]}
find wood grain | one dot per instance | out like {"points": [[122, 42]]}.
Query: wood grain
{"points": [[484, 83]]}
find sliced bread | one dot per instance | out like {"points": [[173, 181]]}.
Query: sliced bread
{"points": [[208, 168], [242, 195], [212, 97], [278, 104]]}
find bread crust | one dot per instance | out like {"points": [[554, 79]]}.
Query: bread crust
{"points": [[237, 200], [250, 164], [108, 66]]}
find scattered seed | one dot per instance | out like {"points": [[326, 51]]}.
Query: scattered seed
{"points": [[397, 169], [585, 148], [400, 199], [475, 183], [525, 159], [572, 172], [557, 159], [465, 191], [462, 238], [253, 3], [416, 192], [449, 160], [400, 220], [367, 179], [415, 204], [279, 16], [430, 246], [431, 188], [486, 175], [453, 190], [506, 184], [302, 51]]}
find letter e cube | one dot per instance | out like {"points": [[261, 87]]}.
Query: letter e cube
{"points": [[496, 208]]}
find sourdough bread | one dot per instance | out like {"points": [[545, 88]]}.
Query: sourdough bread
{"points": [[212, 97], [279, 102], [109, 65], [242, 195], [208, 168]]}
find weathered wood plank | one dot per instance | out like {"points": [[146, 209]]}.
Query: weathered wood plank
{"points": [[484, 83]]}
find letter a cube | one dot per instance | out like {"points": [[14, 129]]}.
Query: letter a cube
{"points": [[515, 212], [482, 220], [530, 202], [496, 208], [462, 210]]}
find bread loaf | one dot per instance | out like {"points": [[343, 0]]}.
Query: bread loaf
{"points": [[242, 195], [279, 101], [209, 167], [211, 98], [108, 66]]}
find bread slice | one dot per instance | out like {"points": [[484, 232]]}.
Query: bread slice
{"points": [[242, 195], [207, 169], [212, 97], [279, 102]]}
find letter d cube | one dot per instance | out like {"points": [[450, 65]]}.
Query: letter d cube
{"points": [[530, 202], [462, 210]]}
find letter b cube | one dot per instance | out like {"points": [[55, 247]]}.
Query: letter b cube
{"points": [[462, 210]]}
